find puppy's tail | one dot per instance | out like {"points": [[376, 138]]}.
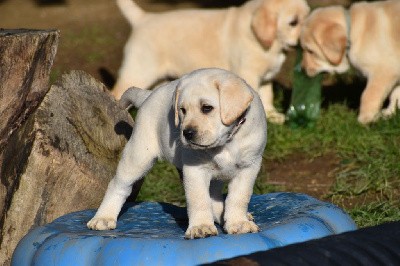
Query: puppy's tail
{"points": [[134, 97], [131, 11]]}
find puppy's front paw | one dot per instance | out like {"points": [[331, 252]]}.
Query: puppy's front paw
{"points": [[201, 231], [241, 227], [388, 112], [275, 117], [368, 118], [102, 224]]}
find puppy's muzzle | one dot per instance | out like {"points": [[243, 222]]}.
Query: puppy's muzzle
{"points": [[189, 134]]}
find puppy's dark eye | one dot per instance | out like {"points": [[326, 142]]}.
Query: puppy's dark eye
{"points": [[294, 22], [205, 109], [183, 110]]}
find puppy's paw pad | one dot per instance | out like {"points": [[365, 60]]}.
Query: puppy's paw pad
{"points": [[201, 231], [242, 227], [102, 224]]}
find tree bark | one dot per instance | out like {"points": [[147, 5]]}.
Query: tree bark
{"points": [[26, 59], [63, 156]]}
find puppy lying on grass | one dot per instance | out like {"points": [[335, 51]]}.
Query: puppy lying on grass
{"points": [[211, 125], [367, 36], [249, 40]]}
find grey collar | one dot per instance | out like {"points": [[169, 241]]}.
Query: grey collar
{"points": [[348, 27], [240, 122]]}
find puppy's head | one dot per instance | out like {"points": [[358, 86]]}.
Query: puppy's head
{"points": [[279, 20], [324, 41], [208, 103]]}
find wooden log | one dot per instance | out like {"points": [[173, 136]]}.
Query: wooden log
{"points": [[26, 60], [62, 158]]}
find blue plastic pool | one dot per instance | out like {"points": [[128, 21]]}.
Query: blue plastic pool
{"points": [[152, 233]]}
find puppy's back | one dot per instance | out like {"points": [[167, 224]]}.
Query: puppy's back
{"points": [[377, 29]]}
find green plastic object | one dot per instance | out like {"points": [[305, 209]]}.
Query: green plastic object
{"points": [[305, 102]]}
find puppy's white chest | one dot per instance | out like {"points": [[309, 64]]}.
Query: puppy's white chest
{"points": [[227, 163]]}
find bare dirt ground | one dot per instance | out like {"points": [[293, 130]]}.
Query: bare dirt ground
{"points": [[93, 33], [298, 173]]}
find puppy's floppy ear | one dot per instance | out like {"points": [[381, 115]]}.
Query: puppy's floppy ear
{"points": [[176, 101], [264, 25], [332, 41], [234, 98]]}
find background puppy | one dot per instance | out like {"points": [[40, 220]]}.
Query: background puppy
{"points": [[368, 36], [394, 103], [249, 40], [212, 126]]}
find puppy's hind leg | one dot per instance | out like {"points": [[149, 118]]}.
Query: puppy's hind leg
{"points": [[378, 88], [394, 103], [217, 200], [218, 203], [137, 159], [267, 97], [139, 68]]}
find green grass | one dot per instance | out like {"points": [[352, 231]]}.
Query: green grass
{"points": [[88, 36], [89, 46], [367, 181], [375, 213], [369, 173], [162, 184]]}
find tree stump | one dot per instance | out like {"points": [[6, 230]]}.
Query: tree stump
{"points": [[63, 156], [26, 60]]}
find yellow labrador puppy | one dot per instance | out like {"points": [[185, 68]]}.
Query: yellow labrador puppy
{"points": [[249, 40], [366, 36], [394, 103], [211, 125]]}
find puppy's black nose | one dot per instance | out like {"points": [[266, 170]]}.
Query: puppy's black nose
{"points": [[189, 133]]}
